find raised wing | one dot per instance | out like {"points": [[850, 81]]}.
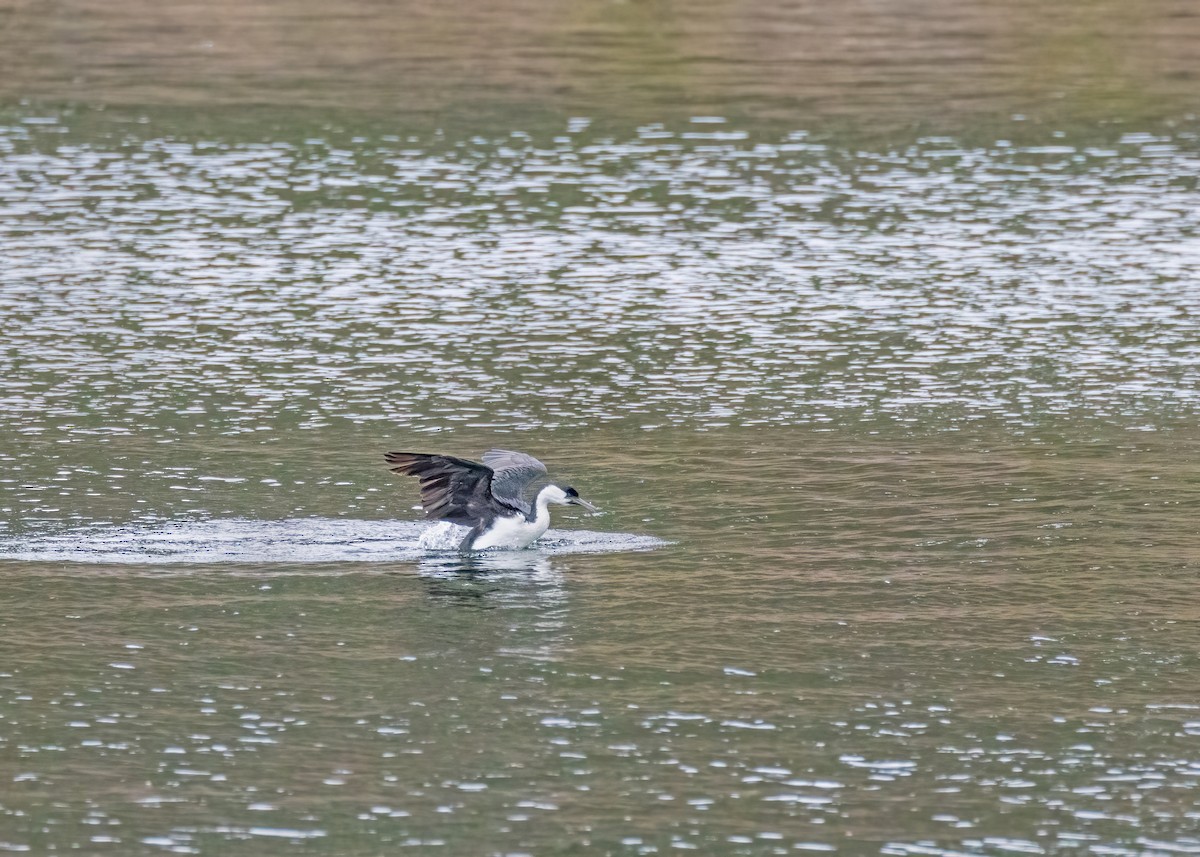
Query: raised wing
{"points": [[513, 473], [452, 489]]}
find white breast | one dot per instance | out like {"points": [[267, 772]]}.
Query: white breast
{"points": [[512, 533]]}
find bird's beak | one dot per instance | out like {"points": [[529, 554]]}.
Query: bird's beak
{"points": [[579, 501]]}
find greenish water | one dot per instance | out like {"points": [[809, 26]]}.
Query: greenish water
{"points": [[889, 399]]}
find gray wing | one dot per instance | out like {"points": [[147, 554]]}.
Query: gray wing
{"points": [[513, 473], [452, 489]]}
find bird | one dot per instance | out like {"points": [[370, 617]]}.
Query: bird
{"points": [[490, 498]]}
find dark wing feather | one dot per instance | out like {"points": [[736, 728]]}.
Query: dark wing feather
{"points": [[513, 473], [452, 489]]}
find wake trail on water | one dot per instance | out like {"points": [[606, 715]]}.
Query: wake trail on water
{"points": [[297, 540]]}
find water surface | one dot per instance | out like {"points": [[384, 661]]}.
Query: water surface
{"points": [[889, 397], [867, 63]]}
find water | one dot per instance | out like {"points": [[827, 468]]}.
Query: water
{"points": [[889, 396], [860, 61], [302, 541], [781, 282]]}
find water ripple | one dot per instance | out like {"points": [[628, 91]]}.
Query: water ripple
{"points": [[307, 542], [662, 279]]}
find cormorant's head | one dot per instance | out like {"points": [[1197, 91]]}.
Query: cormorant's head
{"points": [[568, 496]]}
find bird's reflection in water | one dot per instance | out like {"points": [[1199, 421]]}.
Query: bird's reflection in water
{"points": [[493, 579], [526, 585]]}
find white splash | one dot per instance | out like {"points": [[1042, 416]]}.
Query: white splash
{"points": [[297, 540], [442, 536]]}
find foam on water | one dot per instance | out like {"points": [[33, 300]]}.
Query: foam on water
{"points": [[298, 540]]}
